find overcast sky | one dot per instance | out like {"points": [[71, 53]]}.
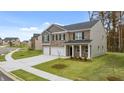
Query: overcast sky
{"points": [[24, 24]]}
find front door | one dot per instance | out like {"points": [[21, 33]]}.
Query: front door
{"points": [[70, 51]]}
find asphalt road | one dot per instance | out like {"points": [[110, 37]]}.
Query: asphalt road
{"points": [[4, 77], [6, 50]]}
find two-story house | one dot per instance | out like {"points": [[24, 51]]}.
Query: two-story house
{"points": [[36, 42], [11, 41], [76, 40]]}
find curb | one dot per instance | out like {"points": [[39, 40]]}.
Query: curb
{"points": [[10, 75]]}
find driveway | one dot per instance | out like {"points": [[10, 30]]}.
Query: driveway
{"points": [[21, 63], [27, 63]]}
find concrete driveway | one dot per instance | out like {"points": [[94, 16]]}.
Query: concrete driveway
{"points": [[27, 63], [21, 63]]}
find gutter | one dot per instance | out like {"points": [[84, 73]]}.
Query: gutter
{"points": [[10, 75]]}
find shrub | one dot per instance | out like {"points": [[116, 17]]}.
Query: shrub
{"points": [[80, 58], [30, 49]]}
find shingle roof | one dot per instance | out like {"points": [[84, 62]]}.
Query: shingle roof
{"points": [[78, 41], [36, 35], [83, 25], [10, 38]]}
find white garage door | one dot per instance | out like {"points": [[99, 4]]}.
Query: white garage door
{"points": [[46, 50], [58, 51]]}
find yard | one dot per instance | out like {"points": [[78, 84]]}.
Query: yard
{"points": [[27, 76], [2, 58], [107, 67], [24, 53]]}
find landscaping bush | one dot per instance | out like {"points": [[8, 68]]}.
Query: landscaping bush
{"points": [[59, 66], [30, 49], [80, 58], [85, 58]]}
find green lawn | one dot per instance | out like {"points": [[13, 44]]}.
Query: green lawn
{"points": [[24, 53], [2, 58], [101, 68], [27, 76]]}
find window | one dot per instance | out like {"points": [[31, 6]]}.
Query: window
{"points": [[56, 37], [46, 38], [77, 48], [59, 36], [102, 47], [79, 35], [86, 49], [53, 37], [98, 47], [62, 36]]}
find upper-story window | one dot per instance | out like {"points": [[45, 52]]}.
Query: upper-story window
{"points": [[52, 37], [46, 38], [79, 35], [62, 36], [59, 36]]}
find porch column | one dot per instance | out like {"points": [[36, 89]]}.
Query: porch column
{"points": [[89, 51], [65, 50], [72, 50], [80, 50]]}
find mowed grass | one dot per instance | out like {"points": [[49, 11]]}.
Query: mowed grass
{"points": [[27, 76], [24, 53], [111, 64], [2, 58]]}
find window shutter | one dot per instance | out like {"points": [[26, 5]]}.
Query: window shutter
{"points": [[73, 36], [82, 35], [48, 37], [53, 37], [64, 36]]}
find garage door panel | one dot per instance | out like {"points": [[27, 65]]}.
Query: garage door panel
{"points": [[46, 50], [57, 51]]}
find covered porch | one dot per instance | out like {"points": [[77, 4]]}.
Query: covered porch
{"points": [[78, 50]]}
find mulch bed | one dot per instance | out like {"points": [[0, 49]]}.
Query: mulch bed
{"points": [[59, 66]]}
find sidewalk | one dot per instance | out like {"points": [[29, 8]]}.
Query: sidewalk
{"points": [[44, 74], [8, 57]]}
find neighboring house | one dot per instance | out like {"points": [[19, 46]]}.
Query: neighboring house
{"points": [[1, 42], [26, 42], [36, 42], [11, 41], [76, 40]]}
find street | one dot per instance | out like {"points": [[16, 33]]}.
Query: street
{"points": [[4, 77], [6, 50]]}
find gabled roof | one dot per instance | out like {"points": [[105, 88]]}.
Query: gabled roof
{"points": [[77, 26], [36, 35], [83, 25], [10, 38]]}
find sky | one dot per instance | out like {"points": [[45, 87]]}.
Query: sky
{"points": [[25, 24]]}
